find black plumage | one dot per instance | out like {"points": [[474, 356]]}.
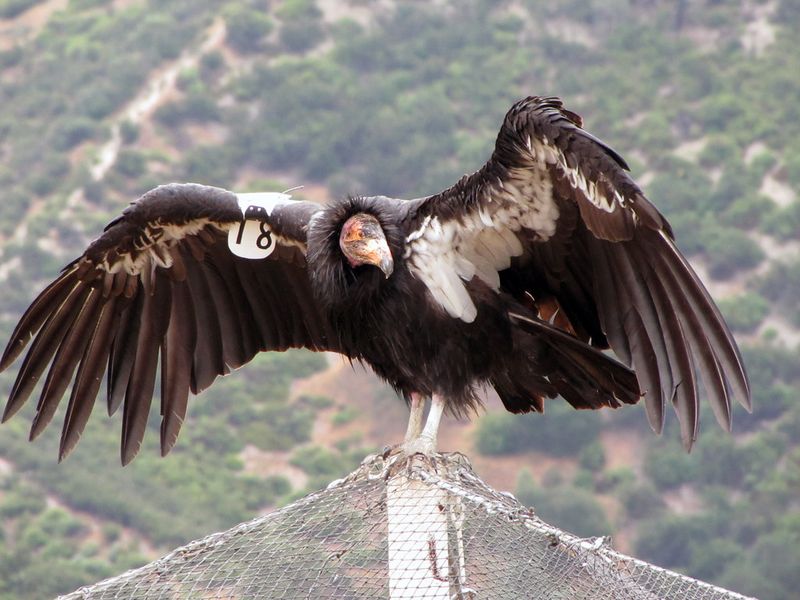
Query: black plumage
{"points": [[517, 277]]}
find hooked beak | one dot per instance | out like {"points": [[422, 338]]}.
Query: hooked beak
{"points": [[376, 252], [384, 259]]}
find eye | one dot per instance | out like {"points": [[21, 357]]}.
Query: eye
{"points": [[351, 231]]}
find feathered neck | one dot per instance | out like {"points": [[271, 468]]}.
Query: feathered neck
{"points": [[337, 285]]}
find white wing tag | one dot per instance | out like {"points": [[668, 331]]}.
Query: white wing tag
{"points": [[252, 237]]}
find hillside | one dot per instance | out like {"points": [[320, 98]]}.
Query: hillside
{"points": [[101, 100]]}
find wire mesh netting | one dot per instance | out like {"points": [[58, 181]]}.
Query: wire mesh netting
{"points": [[399, 528]]}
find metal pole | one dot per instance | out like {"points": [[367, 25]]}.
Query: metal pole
{"points": [[418, 551]]}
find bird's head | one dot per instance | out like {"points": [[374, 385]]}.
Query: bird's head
{"points": [[363, 242]]}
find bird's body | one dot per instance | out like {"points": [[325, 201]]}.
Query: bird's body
{"points": [[415, 345], [413, 342], [517, 277]]}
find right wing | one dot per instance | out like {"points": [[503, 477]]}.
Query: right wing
{"points": [[554, 219], [162, 280]]}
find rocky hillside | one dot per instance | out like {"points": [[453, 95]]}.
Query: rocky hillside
{"points": [[102, 100]]}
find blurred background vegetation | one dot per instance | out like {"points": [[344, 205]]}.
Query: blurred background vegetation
{"points": [[100, 100]]}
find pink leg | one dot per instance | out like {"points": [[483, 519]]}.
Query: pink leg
{"points": [[415, 418], [425, 442]]}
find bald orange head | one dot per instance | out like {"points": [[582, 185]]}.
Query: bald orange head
{"points": [[363, 242]]}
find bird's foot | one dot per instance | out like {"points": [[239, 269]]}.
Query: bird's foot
{"points": [[422, 444], [421, 448]]}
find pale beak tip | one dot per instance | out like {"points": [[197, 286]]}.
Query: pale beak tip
{"points": [[387, 266]]}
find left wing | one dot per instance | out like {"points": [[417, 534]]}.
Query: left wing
{"points": [[163, 281], [554, 219]]}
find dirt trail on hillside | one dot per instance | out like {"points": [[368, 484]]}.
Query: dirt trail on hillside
{"points": [[28, 24], [159, 86]]}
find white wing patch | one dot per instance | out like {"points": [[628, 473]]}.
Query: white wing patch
{"points": [[157, 239], [266, 200], [154, 244], [446, 255], [589, 189]]}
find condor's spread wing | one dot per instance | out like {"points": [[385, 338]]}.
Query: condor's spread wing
{"points": [[554, 219], [162, 281]]}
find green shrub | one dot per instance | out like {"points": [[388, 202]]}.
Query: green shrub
{"points": [[13, 8], [655, 134], [10, 58], [642, 501], [745, 312], [259, 493], [315, 401], [774, 574], [748, 211], [69, 133], [345, 414], [211, 64], [131, 163], [246, 29], [780, 285], [129, 131], [50, 175], [94, 192], [322, 465], [299, 10], [667, 542], [212, 165], [570, 508], [784, 223], [23, 500], [102, 102], [189, 80], [300, 36], [720, 460], [747, 577], [729, 251], [526, 487], [84, 4], [792, 167], [668, 466], [680, 186], [560, 431], [718, 111], [613, 479], [58, 523], [719, 151], [111, 533], [592, 457], [198, 106], [278, 427], [584, 479], [711, 558], [762, 163]]}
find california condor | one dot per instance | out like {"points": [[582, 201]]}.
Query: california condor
{"points": [[516, 277]]}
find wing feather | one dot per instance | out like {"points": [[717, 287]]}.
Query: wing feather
{"points": [[123, 353], [643, 333], [234, 352], [177, 354], [88, 379], [712, 323], [66, 360], [36, 315], [138, 395], [44, 347]]}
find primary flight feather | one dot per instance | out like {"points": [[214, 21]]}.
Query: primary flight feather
{"points": [[518, 276]]}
